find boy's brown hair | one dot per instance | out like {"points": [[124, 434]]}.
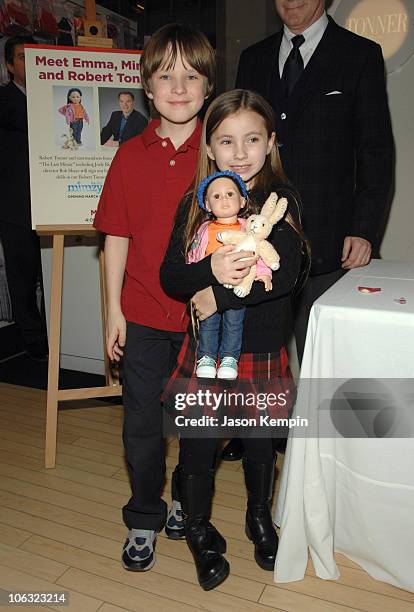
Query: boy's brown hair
{"points": [[162, 49]]}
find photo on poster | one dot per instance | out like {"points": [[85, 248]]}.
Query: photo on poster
{"points": [[73, 118], [123, 114]]}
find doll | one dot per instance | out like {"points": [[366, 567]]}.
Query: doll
{"points": [[75, 113], [223, 195]]}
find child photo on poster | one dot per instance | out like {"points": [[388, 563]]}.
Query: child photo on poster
{"points": [[73, 122]]}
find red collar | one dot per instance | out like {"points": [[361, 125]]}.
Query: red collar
{"points": [[150, 136]]}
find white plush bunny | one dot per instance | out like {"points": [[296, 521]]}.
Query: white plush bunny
{"points": [[253, 238], [69, 142]]}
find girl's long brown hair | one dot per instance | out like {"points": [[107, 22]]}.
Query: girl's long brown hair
{"points": [[227, 104]]}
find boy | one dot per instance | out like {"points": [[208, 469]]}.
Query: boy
{"points": [[148, 176]]}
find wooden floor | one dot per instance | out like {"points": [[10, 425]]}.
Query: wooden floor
{"points": [[61, 529]]}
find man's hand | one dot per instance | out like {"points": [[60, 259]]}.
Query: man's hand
{"points": [[115, 335], [204, 303], [355, 253], [229, 266]]}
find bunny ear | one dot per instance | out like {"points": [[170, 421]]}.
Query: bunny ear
{"points": [[279, 211], [270, 205]]}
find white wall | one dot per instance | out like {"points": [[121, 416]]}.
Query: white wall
{"points": [[398, 243], [81, 338]]}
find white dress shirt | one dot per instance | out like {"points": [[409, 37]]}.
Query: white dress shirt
{"points": [[312, 35]]}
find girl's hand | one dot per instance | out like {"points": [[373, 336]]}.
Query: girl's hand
{"points": [[115, 335], [229, 266], [204, 303]]}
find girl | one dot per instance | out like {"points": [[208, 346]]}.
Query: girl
{"points": [[75, 113], [238, 135]]}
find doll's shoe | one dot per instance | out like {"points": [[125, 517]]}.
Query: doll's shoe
{"points": [[227, 369], [206, 367]]}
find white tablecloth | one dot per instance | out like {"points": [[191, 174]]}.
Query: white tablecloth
{"points": [[353, 495]]}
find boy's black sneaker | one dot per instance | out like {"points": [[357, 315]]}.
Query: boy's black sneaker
{"points": [[138, 553], [175, 526]]}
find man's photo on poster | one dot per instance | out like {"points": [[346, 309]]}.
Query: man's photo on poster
{"points": [[123, 115]]}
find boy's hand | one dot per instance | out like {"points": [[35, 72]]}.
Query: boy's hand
{"points": [[115, 335], [266, 280]]}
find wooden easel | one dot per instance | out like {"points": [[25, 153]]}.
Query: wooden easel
{"points": [[93, 37], [54, 394], [93, 29]]}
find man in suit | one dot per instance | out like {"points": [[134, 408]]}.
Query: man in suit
{"points": [[123, 124], [20, 243], [334, 130], [327, 89]]}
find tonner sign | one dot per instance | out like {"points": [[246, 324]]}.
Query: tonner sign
{"points": [[388, 22], [377, 26]]}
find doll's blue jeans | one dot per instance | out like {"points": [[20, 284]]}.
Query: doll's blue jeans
{"points": [[230, 323]]}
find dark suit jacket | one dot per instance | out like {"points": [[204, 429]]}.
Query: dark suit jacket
{"points": [[337, 149], [14, 157], [136, 123]]}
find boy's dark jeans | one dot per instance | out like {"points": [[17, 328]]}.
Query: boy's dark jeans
{"points": [[231, 334], [149, 358]]}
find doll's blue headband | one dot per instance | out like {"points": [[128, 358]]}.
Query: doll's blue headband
{"points": [[209, 179]]}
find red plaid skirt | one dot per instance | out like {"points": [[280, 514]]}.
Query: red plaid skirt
{"points": [[264, 385]]}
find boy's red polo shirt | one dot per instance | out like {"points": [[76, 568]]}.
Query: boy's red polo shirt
{"points": [[143, 188]]}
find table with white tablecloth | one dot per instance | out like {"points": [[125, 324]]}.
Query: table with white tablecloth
{"points": [[353, 495]]}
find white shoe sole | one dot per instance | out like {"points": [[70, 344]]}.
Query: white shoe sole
{"points": [[203, 375], [206, 372], [226, 374]]}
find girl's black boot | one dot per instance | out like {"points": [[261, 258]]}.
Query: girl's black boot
{"points": [[204, 541], [259, 525]]}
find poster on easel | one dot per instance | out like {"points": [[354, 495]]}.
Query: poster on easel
{"points": [[82, 105]]}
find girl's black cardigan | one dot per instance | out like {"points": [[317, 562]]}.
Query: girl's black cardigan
{"points": [[268, 321]]}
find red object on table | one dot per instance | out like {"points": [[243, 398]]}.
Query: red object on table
{"points": [[369, 289]]}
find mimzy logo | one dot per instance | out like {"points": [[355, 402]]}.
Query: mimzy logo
{"points": [[85, 187]]}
